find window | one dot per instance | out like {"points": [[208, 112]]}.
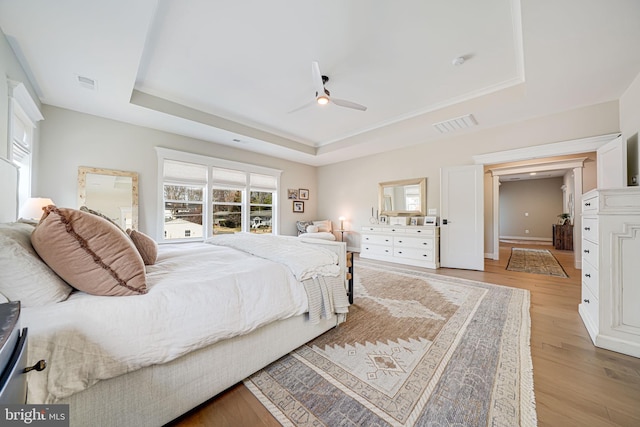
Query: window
{"points": [[205, 196], [23, 117]]}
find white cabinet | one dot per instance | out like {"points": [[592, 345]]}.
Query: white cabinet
{"points": [[610, 306], [412, 245]]}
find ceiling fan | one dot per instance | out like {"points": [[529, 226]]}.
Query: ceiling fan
{"points": [[323, 96]]}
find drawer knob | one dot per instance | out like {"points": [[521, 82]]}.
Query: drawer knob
{"points": [[399, 252], [419, 231], [399, 241], [587, 228], [40, 365], [588, 204], [586, 300], [587, 275], [586, 251]]}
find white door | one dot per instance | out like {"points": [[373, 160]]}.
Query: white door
{"points": [[612, 164], [462, 217]]}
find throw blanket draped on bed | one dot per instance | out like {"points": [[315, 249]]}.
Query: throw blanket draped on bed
{"points": [[314, 266]]}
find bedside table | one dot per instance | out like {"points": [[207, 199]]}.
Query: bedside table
{"points": [[350, 276]]}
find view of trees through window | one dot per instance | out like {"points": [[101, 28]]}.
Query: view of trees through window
{"points": [[261, 207], [182, 211]]}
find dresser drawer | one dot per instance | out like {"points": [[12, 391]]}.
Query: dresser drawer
{"points": [[421, 231], [373, 229], [591, 305], [376, 239], [590, 229], [412, 242], [413, 253], [589, 203], [590, 252], [366, 249], [590, 278]]}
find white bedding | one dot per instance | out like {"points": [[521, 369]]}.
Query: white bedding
{"points": [[89, 338]]}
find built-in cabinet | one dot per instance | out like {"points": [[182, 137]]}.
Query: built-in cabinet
{"points": [[412, 245], [611, 268]]}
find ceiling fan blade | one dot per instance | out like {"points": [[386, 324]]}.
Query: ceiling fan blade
{"points": [[302, 107], [317, 77], [348, 104]]}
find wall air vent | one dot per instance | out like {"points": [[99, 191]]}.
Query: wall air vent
{"points": [[462, 122], [87, 82]]}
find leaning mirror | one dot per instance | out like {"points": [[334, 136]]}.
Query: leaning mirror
{"points": [[405, 197], [113, 193]]}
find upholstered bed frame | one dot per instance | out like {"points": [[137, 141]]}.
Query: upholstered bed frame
{"points": [[158, 394]]}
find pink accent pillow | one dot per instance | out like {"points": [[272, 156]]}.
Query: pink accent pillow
{"points": [[147, 247], [89, 252]]}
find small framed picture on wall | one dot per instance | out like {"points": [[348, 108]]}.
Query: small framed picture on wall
{"points": [[298, 207], [304, 194], [292, 193]]}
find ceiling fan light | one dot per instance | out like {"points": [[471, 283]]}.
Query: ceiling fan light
{"points": [[322, 100]]}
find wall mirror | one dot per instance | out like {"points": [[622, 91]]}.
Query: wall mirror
{"points": [[111, 192], [405, 197]]}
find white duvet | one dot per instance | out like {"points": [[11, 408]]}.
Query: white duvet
{"points": [[216, 293]]}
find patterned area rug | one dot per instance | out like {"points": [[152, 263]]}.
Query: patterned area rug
{"points": [[417, 349], [538, 261]]}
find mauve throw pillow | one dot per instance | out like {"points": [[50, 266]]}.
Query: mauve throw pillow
{"points": [[147, 247], [90, 253]]}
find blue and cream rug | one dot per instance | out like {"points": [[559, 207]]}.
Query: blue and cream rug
{"points": [[417, 349]]}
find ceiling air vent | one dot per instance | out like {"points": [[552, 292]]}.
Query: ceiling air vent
{"points": [[87, 82], [462, 122]]}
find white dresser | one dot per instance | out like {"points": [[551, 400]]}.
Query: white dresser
{"points": [[412, 245], [610, 306]]}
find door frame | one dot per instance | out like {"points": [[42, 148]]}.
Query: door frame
{"points": [[535, 154]]}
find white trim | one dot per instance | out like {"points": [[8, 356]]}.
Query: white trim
{"points": [[18, 92], [575, 146], [538, 167]]}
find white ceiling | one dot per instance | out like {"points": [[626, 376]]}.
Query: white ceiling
{"points": [[223, 71]]}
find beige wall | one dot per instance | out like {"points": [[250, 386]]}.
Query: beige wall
{"points": [[528, 209], [350, 188], [70, 139], [9, 68], [630, 123]]}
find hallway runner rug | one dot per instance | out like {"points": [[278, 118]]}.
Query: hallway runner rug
{"points": [[417, 349], [537, 261]]}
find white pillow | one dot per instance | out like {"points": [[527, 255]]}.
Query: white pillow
{"points": [[25, 277], [323, 226], [320, 235], [312, 229]]}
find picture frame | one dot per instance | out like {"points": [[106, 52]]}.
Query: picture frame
{"points": [[303, 194], [382, 219], [298, 207], [292, 194], [413, 221]]}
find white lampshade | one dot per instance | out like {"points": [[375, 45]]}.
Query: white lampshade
{"points": [[32, 208]]}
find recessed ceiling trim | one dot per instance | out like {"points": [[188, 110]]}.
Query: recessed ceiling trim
{"points": [[162, 105]]}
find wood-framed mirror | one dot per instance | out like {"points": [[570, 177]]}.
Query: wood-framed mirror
{"points": [[403, 197], [111, 192]]}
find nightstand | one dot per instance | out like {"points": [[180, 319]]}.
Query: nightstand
{"points": [[350, 276]]}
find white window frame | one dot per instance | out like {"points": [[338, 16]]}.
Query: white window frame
{"points": [[213, 162]]}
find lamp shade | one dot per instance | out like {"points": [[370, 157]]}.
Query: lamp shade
{"points": [[32, 208]]}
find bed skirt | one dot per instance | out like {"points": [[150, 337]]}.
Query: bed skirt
{"points": [[158, 394]]}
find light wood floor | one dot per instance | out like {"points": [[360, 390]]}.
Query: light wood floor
{"points": [[576, 384]]}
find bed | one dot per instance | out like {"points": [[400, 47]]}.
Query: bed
{"points": [[145, 359]]}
